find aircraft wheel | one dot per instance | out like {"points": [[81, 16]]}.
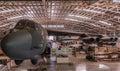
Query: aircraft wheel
{"points": [[34, 61], [44, 69], [18, 62]]}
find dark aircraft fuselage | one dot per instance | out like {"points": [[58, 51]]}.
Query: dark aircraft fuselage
{"points": [[27, 40]]}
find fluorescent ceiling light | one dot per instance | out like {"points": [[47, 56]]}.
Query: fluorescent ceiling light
{"points": [[80, 21], [93, 11], [5, 11], [105, 23], [94, 25], [4, 25], [30, 12], [53, 7], [16, 17], [117, 17], [79, 16], [52, 11], [116, 0], [28, 7], [71, 19]]}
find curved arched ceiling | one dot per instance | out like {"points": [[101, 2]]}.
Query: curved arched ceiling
{"points": [[77, 15]]}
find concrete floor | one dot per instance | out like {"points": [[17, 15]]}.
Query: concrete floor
{"points": [[79, 64]]}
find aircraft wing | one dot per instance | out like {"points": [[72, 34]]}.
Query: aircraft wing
{"points": [[59, 32], [65, 33]]}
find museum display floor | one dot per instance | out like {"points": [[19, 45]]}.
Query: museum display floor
{"points": [[79, 64]]}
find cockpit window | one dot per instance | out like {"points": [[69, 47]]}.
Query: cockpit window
{"points": [[25, 24]]}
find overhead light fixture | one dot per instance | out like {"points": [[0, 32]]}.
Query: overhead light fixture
{"points": [[90, 10], [80, 21], [117, 17], [94, 25], [93, 11], [105, 23], [80, 16], [4, 25], [14, 17], [11, 18], [5, 11], [71, 19], [29, 8], [30, 12], [52, 11], [116, 0]]}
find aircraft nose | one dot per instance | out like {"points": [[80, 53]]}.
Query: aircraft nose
{"points": [[16, 41]]}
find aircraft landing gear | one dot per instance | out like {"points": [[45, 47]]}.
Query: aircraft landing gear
{"points": [[42, 68], [18, 62], [34, 61]]}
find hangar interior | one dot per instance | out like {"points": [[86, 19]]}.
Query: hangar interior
{"points": [[83, 35]]}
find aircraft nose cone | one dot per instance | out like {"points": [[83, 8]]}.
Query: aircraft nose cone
{"points": [[14, 42]]}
